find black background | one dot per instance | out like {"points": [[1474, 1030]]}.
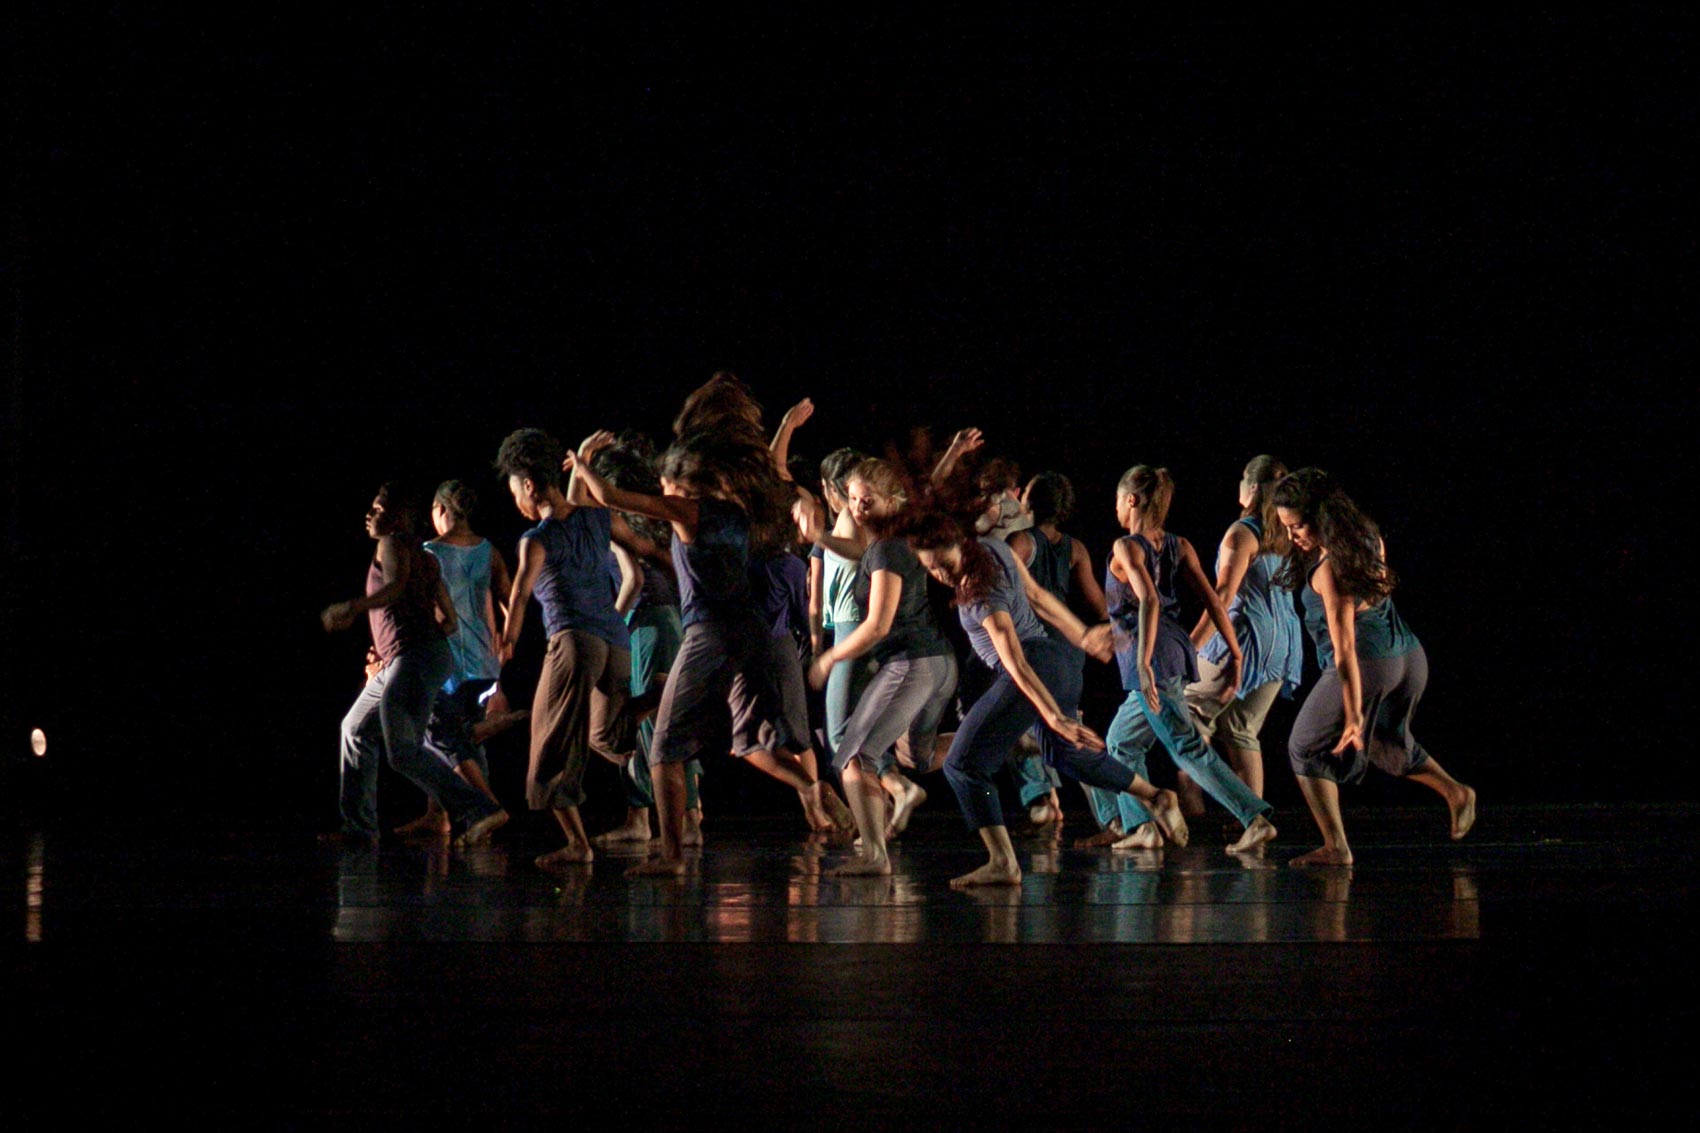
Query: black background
{"points": [[257, 267]]}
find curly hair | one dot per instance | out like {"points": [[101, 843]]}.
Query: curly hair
{"points": [[980, 573], [531, 454], [630, 465], [1351, 538], [714, 462], [456, 497]]}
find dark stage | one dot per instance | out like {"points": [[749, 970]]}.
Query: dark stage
{"points": [[1538, 972]]}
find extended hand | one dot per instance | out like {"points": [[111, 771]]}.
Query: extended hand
{"points": [[798, 413], [1099, 642], [1077, 734], [339, 616]]}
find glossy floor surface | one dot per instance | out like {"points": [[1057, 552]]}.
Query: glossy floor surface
{"points": [[1536, 971]]}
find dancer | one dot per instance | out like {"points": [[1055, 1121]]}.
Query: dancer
{"points": [[587, 666], [996, 600], [1157, 661], [404, 594], [716, 486], [1265, 621], [1374, 669], [477, 580], [916, 676]]}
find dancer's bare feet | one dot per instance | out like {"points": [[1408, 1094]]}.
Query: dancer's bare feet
{"points": [[813, 811], [913, 796], [693, 828], [1046, 812], [634, 829], [1145, 836], [1323, 856], [1259, 832], [434, 823], [1166, 810], [570, 854], [1108, 836], [862, 866], [658, 867], [1463, 813], [842, 820], [992, 873], [479, 832]]}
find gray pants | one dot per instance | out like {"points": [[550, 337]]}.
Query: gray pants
{"points": [[1391, 687], [388, 720], [906, 697]]}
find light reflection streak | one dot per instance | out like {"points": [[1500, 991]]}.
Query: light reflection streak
{"points": [[35, 887]]}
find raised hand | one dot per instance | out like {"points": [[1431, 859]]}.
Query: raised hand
{"points": [[797, 414]]}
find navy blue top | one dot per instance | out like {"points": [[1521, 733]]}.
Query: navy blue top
{"points": [[1007, 595], [712, 570], [780, 586], [1050, 565], [1171, 654], [1380, 631], [659, 589], [914, 633], [573, 586]]}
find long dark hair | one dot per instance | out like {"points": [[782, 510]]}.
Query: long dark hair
{"points": [[981, 571], [1350, 537], [736, 468], [1262, 473], [629, 464]]}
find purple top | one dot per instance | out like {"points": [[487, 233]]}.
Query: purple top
{"points": [[712, 569], [573, 585], [409, 622]]}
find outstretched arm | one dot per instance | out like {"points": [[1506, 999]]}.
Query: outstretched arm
{"points": [[396, 563], [1014, 660], [1052, 609], [676, 510]]}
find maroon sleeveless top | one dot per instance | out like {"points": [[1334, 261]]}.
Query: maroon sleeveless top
{"points": [[410, 621]]}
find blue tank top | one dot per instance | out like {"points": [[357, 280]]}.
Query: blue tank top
{"points": [[1007, 595], [1171, 654], [712, 570], [1380, 631], [466, 572], [573, 586], [1267, 624], [1051, 562], [839, 607]]}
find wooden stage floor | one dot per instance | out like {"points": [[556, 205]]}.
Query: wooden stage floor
{"points": [[1541, 971]]}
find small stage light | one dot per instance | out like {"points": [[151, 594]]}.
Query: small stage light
{"points": [[38, 741]]}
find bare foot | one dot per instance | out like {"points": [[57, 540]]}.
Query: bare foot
{"points": [[623, 835], [992, 873], [479, 832], [813, 811], [862, 867], [1323, 856], [1167, 811], [913, 796], [693, 829], [1260, 831], [432, 824], [1145, 836], [1108, 836], [842, 820], [658, 867], [570, 854], [1464, 814]]}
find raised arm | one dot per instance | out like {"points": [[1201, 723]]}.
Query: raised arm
{"points": [[965, 441], [525, 579], [811, 523], [679, 511], [781, 446], [1002, 631], [1216, 611], [1342, 616], [1233, 559]]}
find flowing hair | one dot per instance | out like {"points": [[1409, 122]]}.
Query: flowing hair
{"points": [[980, 573], [1261, 474], [1351, 538], [732, 467], [628, 464]]}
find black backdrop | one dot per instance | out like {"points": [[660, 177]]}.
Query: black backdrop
{"points": [[257, 267]]}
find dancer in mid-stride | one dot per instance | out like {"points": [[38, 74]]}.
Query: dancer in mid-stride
{"points": [[403, 599], [1374, 669], [1265, 620], [1037, 681], [1157, 661]]}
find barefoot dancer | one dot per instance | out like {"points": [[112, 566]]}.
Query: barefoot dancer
{"points": [[917, 670], [477, 580], [1264, 620], [404, 592], [996, 599], [1373, 667], [1157, 661], [710, 483], [587, 667]]}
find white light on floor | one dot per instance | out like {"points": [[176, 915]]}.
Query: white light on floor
{"points": [[38, 741]]}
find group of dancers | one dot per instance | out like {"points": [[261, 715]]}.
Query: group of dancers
{"points": [[692, 597]]}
